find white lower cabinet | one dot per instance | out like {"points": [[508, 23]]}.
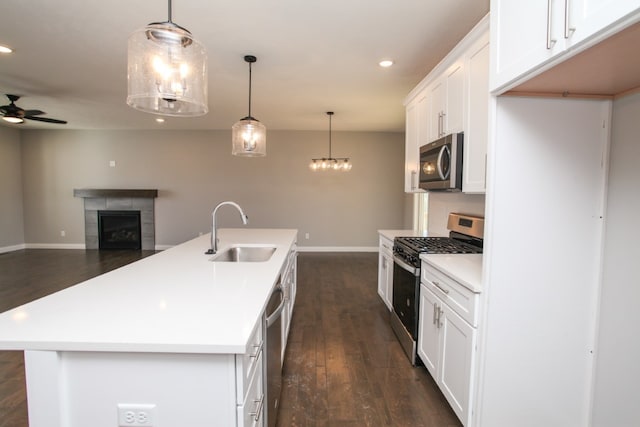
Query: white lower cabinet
{"points": [[289, 279], [249, 382], [446, 341], [385, 271]]}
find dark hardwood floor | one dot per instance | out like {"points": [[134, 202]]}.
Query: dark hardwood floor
{"points": [[343, 365]]}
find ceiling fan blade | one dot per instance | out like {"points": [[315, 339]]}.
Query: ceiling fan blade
{"points": [[47, 120], [33, 112]]}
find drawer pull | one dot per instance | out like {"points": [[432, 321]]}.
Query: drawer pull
{"points": [[258, 412], [435, 312], [258, 350], [437, 284]]}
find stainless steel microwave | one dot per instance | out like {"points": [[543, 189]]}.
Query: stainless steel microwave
{"points": [[441, 163]]}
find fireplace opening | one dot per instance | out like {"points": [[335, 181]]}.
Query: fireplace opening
{"points": [[119, 230]]}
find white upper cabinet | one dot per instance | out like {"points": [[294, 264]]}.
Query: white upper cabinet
{"points": [[476, 125], [446, 98], [416, 118], [527, 35]]}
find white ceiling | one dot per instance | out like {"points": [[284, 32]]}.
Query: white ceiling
{"points": [[70, 58]]}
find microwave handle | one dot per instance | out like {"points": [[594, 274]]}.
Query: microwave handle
{"points": [[439, 162]]}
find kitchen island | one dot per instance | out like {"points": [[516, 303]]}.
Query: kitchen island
{"points": [[175, 339]]}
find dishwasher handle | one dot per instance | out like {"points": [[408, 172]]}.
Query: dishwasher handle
{"points": [[278, 311]]}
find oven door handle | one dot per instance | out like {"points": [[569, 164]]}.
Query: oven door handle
{"points": [[444, 149], [411, 269]]}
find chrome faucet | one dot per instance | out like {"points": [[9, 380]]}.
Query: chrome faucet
{"points": [[214, 228]]}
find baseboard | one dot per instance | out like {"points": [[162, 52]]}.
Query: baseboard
{"points": [[337, 248], [164, 247], [55, 246], [12, 248]]}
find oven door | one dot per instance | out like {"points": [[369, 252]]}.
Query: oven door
{"points": [[406, 288]]}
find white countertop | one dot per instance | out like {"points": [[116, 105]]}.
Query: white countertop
{"points": [[466, 269], [176, 301]]}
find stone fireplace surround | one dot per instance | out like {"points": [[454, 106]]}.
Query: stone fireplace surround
{"points": [[118, 200]]}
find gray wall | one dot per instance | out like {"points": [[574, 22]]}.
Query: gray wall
{"points": [[194, 170], [11, 223]]}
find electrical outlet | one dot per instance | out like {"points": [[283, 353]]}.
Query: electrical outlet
{"points": [[136, 415], [112, 163], [63, 233], [306, 236]]}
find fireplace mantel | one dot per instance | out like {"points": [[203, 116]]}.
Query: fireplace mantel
{"points": [[99, 199], [114, 192]]}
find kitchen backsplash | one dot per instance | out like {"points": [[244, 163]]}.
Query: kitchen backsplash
{"points": [[443, 203]]}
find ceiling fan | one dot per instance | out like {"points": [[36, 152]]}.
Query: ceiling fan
{"points": [[14, 114]]}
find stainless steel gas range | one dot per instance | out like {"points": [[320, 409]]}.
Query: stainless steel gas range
{"points": [[466, 234]]}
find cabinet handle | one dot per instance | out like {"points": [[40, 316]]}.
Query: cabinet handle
{"points": [[258, 350], [444, 131], [440, 311], [446, 291], [567, 29], [384, 263], [550, 41], [258, 412], [435, 312], [413, 179]]}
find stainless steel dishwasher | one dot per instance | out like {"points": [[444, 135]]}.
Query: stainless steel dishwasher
{"points": [[273, 371]]}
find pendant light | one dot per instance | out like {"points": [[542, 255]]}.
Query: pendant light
{"points": [[330, 163], [248, 135], [167, 71]]}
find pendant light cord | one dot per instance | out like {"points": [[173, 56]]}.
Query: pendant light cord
{"points": [[170, 12], [249, 89]]}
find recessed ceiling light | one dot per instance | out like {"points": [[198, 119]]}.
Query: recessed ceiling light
{"points": [[386, 63], [5, 49], [160, 120]]}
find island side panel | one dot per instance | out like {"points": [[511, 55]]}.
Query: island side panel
{"points": [[84, 388]]}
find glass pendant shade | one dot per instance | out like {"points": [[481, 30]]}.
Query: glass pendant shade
{"points": [[249, 138], [167, 71]]}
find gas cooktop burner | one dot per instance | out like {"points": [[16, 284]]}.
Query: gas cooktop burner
{"points": [[439, 245]]}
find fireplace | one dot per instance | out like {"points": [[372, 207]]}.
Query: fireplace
{"points": [[114, 200], [119, 230]]}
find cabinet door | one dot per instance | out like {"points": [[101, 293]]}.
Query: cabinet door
{"points": [[477, 119], [458, 340], [437, 97], [519, 37], [587, 17], [454, 103], [428, 331], [389, 282], [383, 277], [411, 154]]}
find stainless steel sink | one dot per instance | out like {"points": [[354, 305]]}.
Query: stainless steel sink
{"points": [[245, 254]]}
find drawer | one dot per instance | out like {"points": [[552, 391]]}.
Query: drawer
{"points": [[386, 245], [458, 297], [246, 364], [252, 410]]}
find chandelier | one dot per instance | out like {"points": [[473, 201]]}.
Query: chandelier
{"points": [[167, 71], [330, 163], [248, 135]]}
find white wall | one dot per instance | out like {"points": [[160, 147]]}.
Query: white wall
{"points": [[11, 223], [617, 367], [194, 170], [542, 254]]}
